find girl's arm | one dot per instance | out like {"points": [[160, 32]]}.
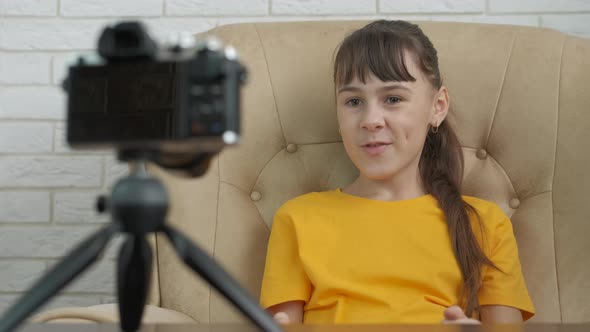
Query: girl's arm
{"points": [[500, 314], [292, 309], [489, 314]]}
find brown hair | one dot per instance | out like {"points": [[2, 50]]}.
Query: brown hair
{"points": [[379, 48]]}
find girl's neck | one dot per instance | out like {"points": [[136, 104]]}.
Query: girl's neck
{"points": [[394, 189]]}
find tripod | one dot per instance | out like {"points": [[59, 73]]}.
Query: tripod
{"points": [[138, 205]]}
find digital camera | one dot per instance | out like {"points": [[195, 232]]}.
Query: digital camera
{"points": [[180, 99]]}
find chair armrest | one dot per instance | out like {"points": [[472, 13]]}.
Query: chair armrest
{"points": [[108, 313]]}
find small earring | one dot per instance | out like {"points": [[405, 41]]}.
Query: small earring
{"points": [[434, 129]]}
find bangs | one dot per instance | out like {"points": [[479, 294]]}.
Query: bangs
{"points": [[374, 52]]}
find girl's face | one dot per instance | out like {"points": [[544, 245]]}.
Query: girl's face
{"points": [[384, 124]]}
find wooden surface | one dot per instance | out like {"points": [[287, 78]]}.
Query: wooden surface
{"points": [[314, 328]]}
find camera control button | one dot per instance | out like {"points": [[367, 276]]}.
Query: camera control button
{"points": [[230, 137], [231, 53], [180, 41]]}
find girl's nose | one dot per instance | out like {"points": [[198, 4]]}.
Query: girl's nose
{"points": [[373, 119]]}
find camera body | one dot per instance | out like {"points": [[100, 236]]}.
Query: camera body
{"points": [[182, 99]]}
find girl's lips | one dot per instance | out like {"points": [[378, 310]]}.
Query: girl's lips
{"points": [[375, 149]]}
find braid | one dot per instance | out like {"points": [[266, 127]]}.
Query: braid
{"points": [[441, 155]]}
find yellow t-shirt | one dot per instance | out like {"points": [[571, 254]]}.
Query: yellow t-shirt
{"points": [[358, 260]]}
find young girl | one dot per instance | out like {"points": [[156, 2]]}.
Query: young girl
{"points": [[399, 244]]}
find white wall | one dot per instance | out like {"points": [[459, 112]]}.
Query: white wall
{"points": [[47, 191]]}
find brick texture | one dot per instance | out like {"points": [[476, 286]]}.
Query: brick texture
{"points": [[432, 6]]}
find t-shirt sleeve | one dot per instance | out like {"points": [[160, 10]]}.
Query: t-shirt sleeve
{"points": [[506, 287], [284, 278]]}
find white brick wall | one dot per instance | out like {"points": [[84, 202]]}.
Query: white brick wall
{"points": [[28, 7], [28, 102], [77, 207], [20, 274], [47, 191], [216, 8], [24, 68], [58, 33], [432, 6], [15, 206], [50, 171], [93, 8], [538, 6], [42, 241], [18, 137], [324, 7]]}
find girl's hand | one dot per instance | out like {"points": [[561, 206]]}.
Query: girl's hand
{"points": [[455, 315], [290, 312], [281, 318]]}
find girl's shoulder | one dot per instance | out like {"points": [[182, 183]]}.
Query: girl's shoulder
{"points": [[482, 204], [479, 203], [308, 200], [489, 212]]}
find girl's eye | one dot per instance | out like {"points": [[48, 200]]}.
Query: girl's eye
{"points": [[393, 100], [353, 102]]}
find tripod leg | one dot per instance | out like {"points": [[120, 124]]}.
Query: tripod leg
{"points": [[200, 262], [79, 258], [133, 278]]}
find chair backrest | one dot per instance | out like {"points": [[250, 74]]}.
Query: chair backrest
{"points": [[522, 106]]}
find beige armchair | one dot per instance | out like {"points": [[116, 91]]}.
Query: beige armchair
{"points": [[522, 106]]}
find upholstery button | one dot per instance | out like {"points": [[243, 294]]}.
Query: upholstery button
{"points": [[291, 148], [255, 196], [481, 154], [514, 203]]}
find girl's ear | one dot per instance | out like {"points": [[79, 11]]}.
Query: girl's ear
{"points": [[440, 107]]}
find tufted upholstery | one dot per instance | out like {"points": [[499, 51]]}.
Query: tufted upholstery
{"points": [[522, 114]]}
